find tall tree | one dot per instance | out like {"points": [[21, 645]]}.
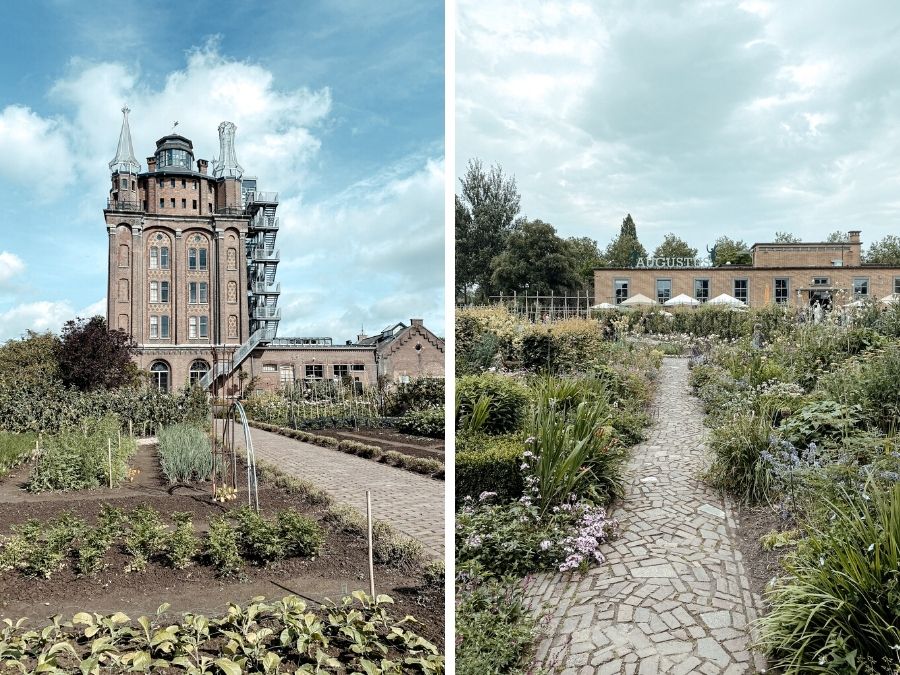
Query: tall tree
{"points": [[786, 238], [535, 256], [728, 251], [491, 200], [33, 358], [625, 249], [884, 251], [837, 237], [93, 357], [674, 247], [587, 257]]}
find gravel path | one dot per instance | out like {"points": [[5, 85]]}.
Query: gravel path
{"points": [[673, 596]]}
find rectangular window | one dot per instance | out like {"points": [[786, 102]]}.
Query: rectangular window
{"points": [[183, 183], [861, 287], [204, 293], [897, 285], [194, 184], [173, 202], [701, 289], [270, 368], [173, 182], [341, 370], [663, 290], [192, 258], [184, 203], [782, 289], [133, 185], [620, 290], [163, 291], [204, 326], [209, 207], [286, 375], [742, 290], [154, 326], [315, 371], [358, 366], [164, 326], [160, 182], [195, 204], [162, 203], [202, 257], [144, 205], [209, 185], [820, 281], [192, 292], [164, 258], [154, 257], [192, 327], [154, 291], [124, 183]]}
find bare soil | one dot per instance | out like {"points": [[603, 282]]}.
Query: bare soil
{"points": [[390, 439], [760, 565], [340, 567]]}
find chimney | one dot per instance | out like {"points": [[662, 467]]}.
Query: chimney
{"points": [[415, 322], [855, 254], [202, 165], [151, 164]]}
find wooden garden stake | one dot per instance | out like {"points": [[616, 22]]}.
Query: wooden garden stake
{"points": [[131, 428], [371, 558]]}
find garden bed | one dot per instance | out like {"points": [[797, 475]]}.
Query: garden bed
{"points": [[340, 567], [390, 439]]}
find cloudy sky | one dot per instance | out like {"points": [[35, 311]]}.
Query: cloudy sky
{"points": [[339, 107], [737, 117]]}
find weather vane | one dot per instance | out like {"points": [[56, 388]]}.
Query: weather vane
{"points": [[174, 125]]}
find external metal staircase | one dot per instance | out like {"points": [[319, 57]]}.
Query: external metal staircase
{"points": [[225, 368]]}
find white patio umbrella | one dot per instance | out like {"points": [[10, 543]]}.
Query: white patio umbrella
{"points": [[681, 300], [637, 300], [726, 299], [604, 305], [892, 299], [856, 303]]}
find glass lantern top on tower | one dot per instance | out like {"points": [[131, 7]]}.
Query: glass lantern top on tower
{"points": [[174, 152]]}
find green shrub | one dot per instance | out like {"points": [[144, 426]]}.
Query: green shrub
{"points": [[300, 536], [222, 548], [259, 538], [428, 422], [146, 537], [183, 543], [495, 630], [77, 460], [736, 445], [97, 540], [185, 454], [838, 610], [489, 464], [419, 394], [872, 381], [820, 421], [508, 400], [14, 449]]}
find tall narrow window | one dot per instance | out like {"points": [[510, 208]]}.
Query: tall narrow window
{"points": [[154, 326], [154, 257], [194, 204], [164, 326], [701, 289], [620, 290], [164, 257], [782, 290], [192, 292], [195, 184], [172, 200], [162, 203], [192, 258], [663, 290], [204, 293], [204, 326], [199, 368], [159, 375], [742, 290], [173, 182], [154, 291], [201, 254], [184, 203], [163, 291], [861, 287], [160, 182], [897, 285], [183, 183], [192, 327]]}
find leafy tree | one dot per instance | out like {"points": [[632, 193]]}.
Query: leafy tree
{"points": [[786, 238], [536, 256], [837, 237], [730, 252], [884, 251], [93, 357], [624, 250], [586, 256], [674, 247], [34, 358], [485, 213]]}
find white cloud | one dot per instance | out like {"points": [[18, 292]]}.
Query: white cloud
{"points": [[34, 151], [11, 265], [43, 315]]}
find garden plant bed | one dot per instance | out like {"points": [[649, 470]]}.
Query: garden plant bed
{"points": [[340, 567], [760, 565], [390, 439]]}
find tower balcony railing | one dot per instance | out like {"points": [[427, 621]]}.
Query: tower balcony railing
{"points": [[262, 198], [263, 288], [116, 205], [264, 312], [263, 222], [260, 254], [231, 211]]}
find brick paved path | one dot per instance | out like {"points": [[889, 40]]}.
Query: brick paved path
{"points": [[672, 597], [412, 504]]}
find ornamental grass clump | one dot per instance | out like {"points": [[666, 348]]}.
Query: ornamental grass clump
{"points": [[838, 608], [184, 453], [14, 448], [737, 445]]}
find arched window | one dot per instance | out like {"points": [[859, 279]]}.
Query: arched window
{"points": [[159, 375], [199, 368]]}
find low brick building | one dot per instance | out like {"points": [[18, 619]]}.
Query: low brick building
{"points": [[798, 274], [192, 267]]}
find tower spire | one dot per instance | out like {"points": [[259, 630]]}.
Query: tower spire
{"points": [[124, 160], [227, 164]]}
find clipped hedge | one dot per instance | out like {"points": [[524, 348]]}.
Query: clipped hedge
{"points": [[508, 400], [428, 423], [489, 464]]}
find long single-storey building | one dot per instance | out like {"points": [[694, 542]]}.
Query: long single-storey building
{"points": [[798, 274]]}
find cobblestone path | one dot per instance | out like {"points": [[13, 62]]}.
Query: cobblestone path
{"points": [[410, 503], [672, 596]]}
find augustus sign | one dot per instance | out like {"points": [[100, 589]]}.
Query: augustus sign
{"points": [[672, 262]]}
